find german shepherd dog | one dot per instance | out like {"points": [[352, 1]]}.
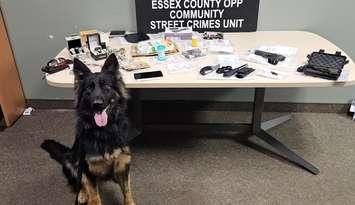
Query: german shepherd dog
{"points": [[100, 151]]}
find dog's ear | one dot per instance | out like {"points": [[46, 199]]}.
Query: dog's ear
{"points": [[80, 72], [111, 65], [80, 69]]}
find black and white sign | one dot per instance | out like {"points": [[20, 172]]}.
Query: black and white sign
{"points": [[202, 15]]}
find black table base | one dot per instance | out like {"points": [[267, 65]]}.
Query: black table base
{"points": [[255, 128]]}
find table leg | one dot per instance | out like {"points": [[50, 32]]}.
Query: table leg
{"points": [[135, 114], [256, 128], [275, 122], [259, 131]]}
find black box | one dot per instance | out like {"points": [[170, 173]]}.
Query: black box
{"points": [[74, 45], [95, 47]]}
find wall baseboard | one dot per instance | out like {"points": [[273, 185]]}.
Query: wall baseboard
{"points": [[50, 104], [182, 105]]}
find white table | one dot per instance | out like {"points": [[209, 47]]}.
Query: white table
{"points": [[306, 43]]}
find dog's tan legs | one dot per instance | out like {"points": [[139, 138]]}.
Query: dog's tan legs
{"points": [[122, 175], [89, 193]]}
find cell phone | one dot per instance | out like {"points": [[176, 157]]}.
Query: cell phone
{"points": [[148, 75]]}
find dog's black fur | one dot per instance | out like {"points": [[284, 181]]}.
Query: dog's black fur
{"points": [[93, 93]]}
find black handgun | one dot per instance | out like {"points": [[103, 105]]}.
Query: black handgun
{"points": [[272, 58]]}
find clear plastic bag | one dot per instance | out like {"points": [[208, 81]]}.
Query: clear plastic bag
{"points": [[290, 54], [219, 46]]}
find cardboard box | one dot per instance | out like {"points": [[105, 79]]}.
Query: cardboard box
{"points": [[84, 34]]}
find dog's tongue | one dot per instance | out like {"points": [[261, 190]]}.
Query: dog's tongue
{"points": [[101, 119]]}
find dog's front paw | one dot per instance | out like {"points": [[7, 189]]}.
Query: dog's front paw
{"points": [[82, 198]]}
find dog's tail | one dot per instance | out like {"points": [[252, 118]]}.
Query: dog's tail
{"points": [[62, 154], [56, 150]]}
